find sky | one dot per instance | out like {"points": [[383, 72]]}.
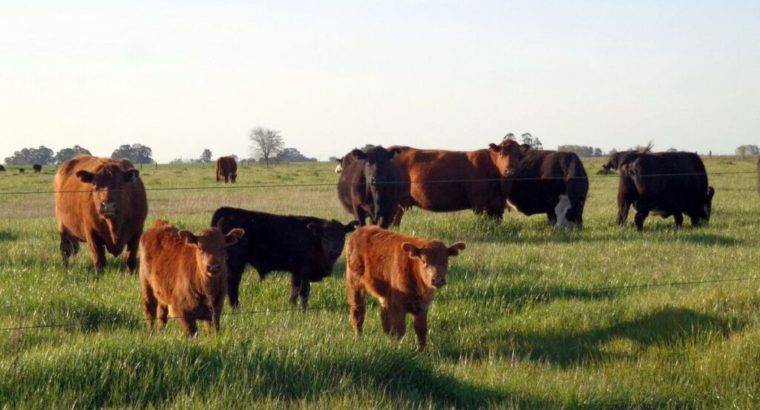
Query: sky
{"points": [[183, 76]]}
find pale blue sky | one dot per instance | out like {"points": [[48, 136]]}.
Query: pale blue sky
{"points": [[181, 76]]}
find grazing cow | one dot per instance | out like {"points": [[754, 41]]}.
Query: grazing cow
{"points": [[550, 182], [370, 185], [184, 275], [307, 247], [2, 168], [619, 158], [37, 168], [226, 168], [102, 202], [21, 170], [445, 181], [666, 183], [402, 272]]}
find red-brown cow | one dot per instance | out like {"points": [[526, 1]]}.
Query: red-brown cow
{"points": [[184, 275], [445, 181], [102, 202], [402, 272], [226, 168]]}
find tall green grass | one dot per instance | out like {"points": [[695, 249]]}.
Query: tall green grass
{"points": [[531, 317]]}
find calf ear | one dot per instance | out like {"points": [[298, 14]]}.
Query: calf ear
{"points": [[85, 176], [351, 226], [358, 154], [710, 193], [413, 251], [188, 237], [494, 147], [233, 236], [314, 228], [456, 248], [131, 175]]}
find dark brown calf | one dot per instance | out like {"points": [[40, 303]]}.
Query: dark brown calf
{"points": [[402, 272], [184, 275]]}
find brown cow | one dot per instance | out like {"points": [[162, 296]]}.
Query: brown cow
{"points": [[102, 202], [226, 168], [184, 275], [402, 272], [444, 181]]}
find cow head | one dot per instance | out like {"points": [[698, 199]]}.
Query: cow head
{"points": [[507, 155], [707, 207], [332, 235], [233, 177], [110, 187], [433, 260], [211, 248], [379, 171]]}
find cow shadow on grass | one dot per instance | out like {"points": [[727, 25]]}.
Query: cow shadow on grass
{"points": [[398, 377], [7, 236], [81, 316], [665, 327]]}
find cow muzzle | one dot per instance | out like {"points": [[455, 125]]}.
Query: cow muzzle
{"points": [[213, 268], [108, 209], [508, 172], [439, 282]]}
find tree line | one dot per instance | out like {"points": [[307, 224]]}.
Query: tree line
{"points": [[42, 155]]}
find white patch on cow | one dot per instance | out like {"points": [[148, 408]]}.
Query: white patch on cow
{"points": [[383, 301], [512, 206], [338, 169], [563, 205]]}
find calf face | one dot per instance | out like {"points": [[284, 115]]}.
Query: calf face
{"points": [[109, 188], [332, 234], [508, 154], [433, 260], [210, 248]]}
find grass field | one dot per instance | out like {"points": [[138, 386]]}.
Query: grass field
{"points": [[531, 317]]}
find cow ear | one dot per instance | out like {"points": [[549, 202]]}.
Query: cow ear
{"points": [[358, 154], [494, 147], [85, 176], [456, 248], [394, 152], [710, 193], [339, 160], [351, 226], [413, 251], [314, 228], [131, 175], [188, 237], [233, 236]]}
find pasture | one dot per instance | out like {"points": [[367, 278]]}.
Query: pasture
{"points": [[531, 317]]}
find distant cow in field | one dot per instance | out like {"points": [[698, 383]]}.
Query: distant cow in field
{"points": [[446, 181], [184, 275], [102, 202], [758, 175], [666, 183], [370, 185], [307, 247], [37, 168], [402, 272], [2, 168], [21, 170], [226, 168], [550, 182]]}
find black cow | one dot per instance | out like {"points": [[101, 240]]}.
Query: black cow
{"points": [[307, 247], [758, 175], [378, 199], [2, 168], [665, 183], [37, 167], [550, 182]]}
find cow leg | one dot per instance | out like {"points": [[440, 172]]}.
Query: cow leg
{"points": [[386, 319], [397, 216], [162, 312], [360, 215], [420, 328], [623, 208], [356, 305], [150, 305], [305, 290], [679, 219], [234, 276], [398, 322], [98, 253], [131, 254], [641, 215], [69, 247], [299, 288], [552, 218]]}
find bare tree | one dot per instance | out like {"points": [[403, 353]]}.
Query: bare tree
{"points": [[266, 143]]}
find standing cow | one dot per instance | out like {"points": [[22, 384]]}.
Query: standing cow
{"points": [[446, 181], [305, 246], [101, 202], [550, 182], [370, 185], [2, 168], [666, 183], [37, 168], [226, 168], [183, 275], [402, 272]]}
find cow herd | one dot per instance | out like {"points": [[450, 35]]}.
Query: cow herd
{"points": [[102, 202]]}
